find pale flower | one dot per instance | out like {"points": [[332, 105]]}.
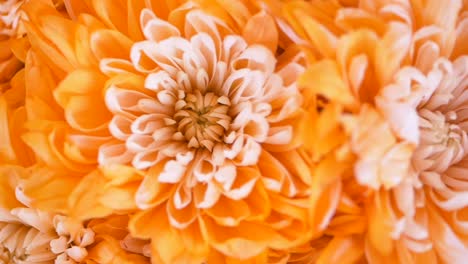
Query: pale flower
{"points": [[25, 237], [71, 244], [396, 71]]}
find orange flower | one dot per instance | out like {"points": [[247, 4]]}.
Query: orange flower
{"points": [[184, 116], [380, 62], [29, 235]]}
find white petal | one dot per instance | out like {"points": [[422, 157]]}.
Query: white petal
{"points": [[172, 173]]}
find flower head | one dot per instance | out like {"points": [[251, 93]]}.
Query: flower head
{"points": [[189, 120]]}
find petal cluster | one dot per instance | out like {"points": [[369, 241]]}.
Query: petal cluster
{"points": [[256, 131]]}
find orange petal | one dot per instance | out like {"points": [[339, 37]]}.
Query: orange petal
{"points": [[181, 217], [261, 29], [342, 250], [48, 190], [324, 78], [228, 212], [110, 44], [84, 200], [112, 13], [391, 51], [80, 94], [151, 192], [381, 223], [241, 242], [324, 203]]}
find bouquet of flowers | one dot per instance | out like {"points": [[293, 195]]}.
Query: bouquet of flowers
{"points": [[233, 131]]}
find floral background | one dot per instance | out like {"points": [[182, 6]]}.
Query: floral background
{"points": [[233, 131]]}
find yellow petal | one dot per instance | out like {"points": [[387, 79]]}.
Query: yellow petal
{"points": [[324, 78], [342, 250]]}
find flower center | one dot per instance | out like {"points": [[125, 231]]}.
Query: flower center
{"points": [[202, 119], [442, 141]]}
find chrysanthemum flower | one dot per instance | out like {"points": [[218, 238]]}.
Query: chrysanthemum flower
{"points": [[187, 116], [29, 235], [381, 61]]}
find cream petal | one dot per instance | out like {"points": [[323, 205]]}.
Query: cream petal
{"points": [[290, 73], [141, 56], [256, 58], [235, 148], [114, 153], [427, 55], [403, 118], [59, 245], [156, 29], [173, 172], [209, 197], [160, 80], [163, 134], [77, 253], [243, 116], [456, 202], [87, 238], [203, 44], [250, 153], [243, 85], [289, 108], [398, 11], [395, 164], [42, 221], [146, 124], [257, 128], [204, 171], [138, 143], [121, 100], [168, 54], [243, 191], [146, 159], [446, 242], [233, 46], [114, 66], [182, 196], [279, 135], [357, 72], [197, 21], [366, 171], [119, 127], [416, 231], [225, 175]]}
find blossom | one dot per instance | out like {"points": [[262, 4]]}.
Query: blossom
{"points": [[188, 121], [208, 104], [233, 131], [383, 60]]}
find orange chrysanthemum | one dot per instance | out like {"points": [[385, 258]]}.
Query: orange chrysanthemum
{"points": [[233, 131], [186, 116], [387, 65]]}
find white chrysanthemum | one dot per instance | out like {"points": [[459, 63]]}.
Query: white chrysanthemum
{"points": [[25, 236], [435, 107], [70, 246], [209, 104], [442, 156]]}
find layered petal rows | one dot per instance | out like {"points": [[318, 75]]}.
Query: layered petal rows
{"points": [[269, 131]]}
